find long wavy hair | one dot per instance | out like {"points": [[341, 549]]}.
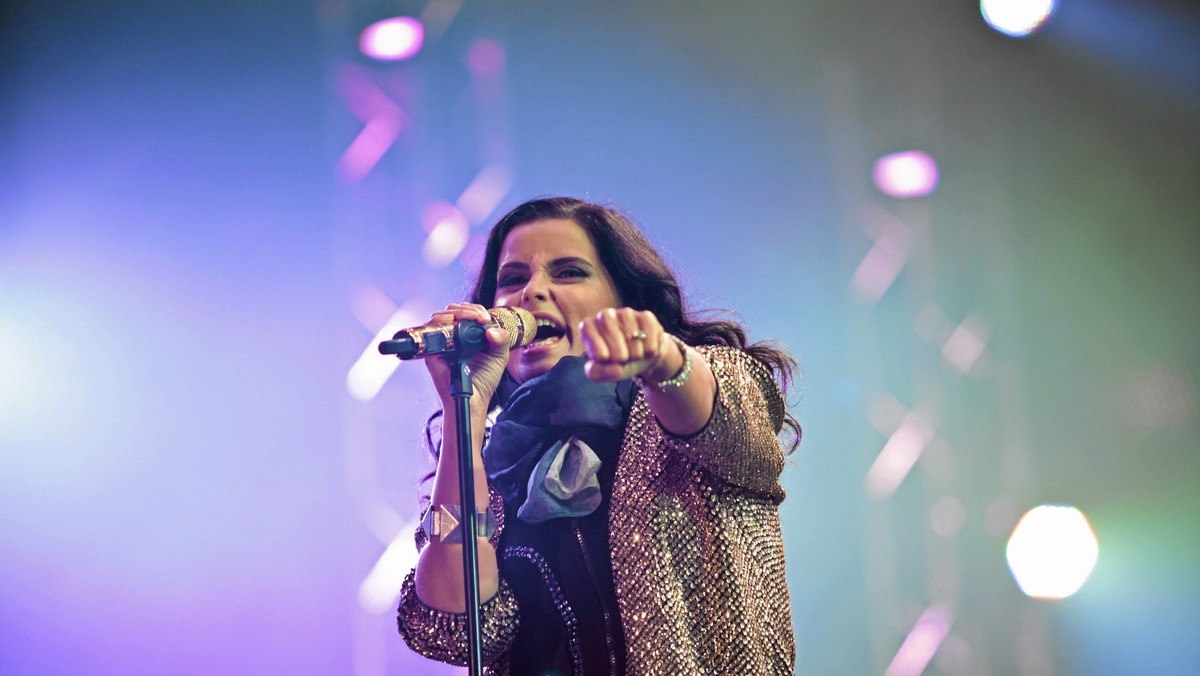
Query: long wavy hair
{"points": [[644, 281]]}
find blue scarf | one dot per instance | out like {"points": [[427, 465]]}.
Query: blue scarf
{"points": [[550, 439]]}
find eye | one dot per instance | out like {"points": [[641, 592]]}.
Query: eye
{"points": [[505, 281], [572, 272]]}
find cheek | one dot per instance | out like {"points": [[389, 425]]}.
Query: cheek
{"points": [[506, 299], [591, 301], [603, 302]]}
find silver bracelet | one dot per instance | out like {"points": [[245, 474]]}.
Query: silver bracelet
{"points": [[678, 379], [443, 522]]}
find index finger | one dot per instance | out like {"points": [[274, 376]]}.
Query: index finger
{"points": [[593, 341]]}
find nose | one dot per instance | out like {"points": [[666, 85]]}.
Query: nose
{"points": [[536, 289]]}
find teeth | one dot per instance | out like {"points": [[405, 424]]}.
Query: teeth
{"points": [[548, 323]]}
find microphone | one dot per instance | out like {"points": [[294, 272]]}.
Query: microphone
{"points": [[461, 339]]}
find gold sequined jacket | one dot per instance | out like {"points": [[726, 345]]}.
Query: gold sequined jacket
{"points": [[694, 534]]}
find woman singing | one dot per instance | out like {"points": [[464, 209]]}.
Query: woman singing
{"points": [[632, 469]]}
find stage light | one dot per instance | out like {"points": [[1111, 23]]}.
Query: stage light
{"points": [[380, 589], [394, 39], [448, 230], [1052, 551], [911, 173], [966, 344], [1016, 18], [921, 643], [485, 58], [483, 195], [899, 454], [371, 370], [885, 259]]}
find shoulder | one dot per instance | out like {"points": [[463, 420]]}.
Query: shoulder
{"points": [[738, 372]]}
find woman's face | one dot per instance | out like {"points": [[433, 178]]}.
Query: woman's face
{"points": [[551, 268]]}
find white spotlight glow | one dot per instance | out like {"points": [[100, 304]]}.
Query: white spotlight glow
{"points": [[485, 192], [371, 370], [448, 230], [394, 39], [1016, 18], [898, 456], [1052, 551], [380, 589], [911, 173]]}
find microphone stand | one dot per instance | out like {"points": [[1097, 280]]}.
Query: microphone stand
{"points": [[461, 391], [468, 339]]}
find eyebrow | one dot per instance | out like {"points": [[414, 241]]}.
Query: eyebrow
{"points": [[557, 262]]}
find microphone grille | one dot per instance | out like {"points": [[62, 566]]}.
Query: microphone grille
{"points": [[519, 323]]}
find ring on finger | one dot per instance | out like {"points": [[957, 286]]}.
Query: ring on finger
{"points": [[637, 335]]}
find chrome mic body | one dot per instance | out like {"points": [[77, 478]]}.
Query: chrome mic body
{"points": [[463, 338]]}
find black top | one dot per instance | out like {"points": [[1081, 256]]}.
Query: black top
{"points": [[561, 574]]}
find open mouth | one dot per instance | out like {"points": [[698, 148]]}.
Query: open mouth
{"points": [[547, 333]]}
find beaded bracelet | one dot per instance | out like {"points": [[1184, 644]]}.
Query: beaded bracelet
{"points": [[678, 379]]}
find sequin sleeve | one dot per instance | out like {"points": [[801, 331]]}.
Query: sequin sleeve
{"points": [[441, 635], [740, 443]]}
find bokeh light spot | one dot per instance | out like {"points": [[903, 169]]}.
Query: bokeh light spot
{"points": [[921, 643], [371, 370], [394, 39], [1016, 18], [966, 344], [485, 58], [911, 173], [448, 230], [948, 516], [898, 456], [380, 589], [1052, 551]]}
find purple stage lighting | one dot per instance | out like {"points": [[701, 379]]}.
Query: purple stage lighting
{"points": [[394, 39], [485, 58]]}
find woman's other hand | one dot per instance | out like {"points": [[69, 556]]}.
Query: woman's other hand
{"points": [[622, 343]]}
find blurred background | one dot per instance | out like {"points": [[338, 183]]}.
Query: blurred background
{"points": [[976, 227]]}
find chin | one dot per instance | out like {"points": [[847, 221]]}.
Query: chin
{"points": [[533, 365]]}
